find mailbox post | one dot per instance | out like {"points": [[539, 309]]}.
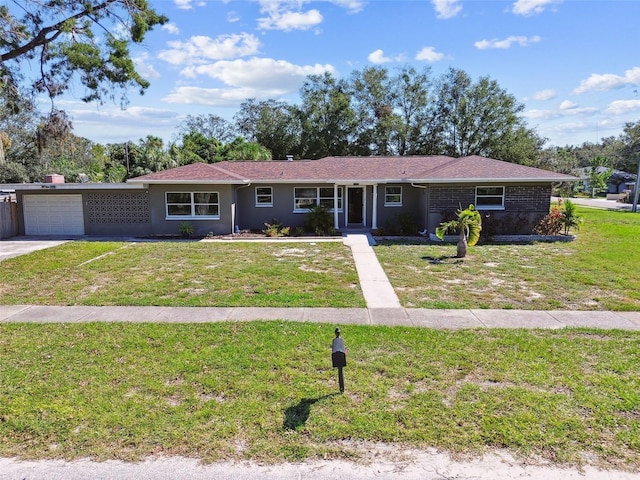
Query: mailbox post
{"points": [[339, 357]]}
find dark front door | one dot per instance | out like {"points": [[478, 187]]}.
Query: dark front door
{"points": [[354, 205]]}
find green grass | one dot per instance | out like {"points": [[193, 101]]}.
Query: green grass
{"points": [[184, 274], [265, 391], [598, 271]]}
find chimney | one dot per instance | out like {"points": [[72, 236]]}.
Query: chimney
{"points": [[289, 158], [54, 178]]}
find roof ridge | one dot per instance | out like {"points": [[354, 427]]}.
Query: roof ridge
{"points": [[228, 172], [443, 165]]}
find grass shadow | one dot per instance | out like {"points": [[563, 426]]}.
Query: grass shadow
{"points": [[297, 415], [442, 259]]}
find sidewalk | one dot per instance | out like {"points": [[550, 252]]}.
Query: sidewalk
{"points": [[408, 317], [383, 308]]}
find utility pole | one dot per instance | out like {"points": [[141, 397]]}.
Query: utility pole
{"points": [[636, 190]]}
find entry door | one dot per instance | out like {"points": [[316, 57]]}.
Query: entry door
{"points": [[354, 205]]}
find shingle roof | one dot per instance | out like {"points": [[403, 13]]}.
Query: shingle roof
{"points": [[424, 169]]}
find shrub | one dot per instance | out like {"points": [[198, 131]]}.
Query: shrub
{"points": [[276, 229], [401, 224], [186, 229], [550, 224], [319, 220]]}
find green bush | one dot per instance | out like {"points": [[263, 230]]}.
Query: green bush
{"points": [[550, 224], [401, 224], [276, 229], [186, 229], [319, 220]]}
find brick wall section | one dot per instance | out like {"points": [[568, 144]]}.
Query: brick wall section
{"points": [[524, 206], [518, 198], [450, 197], [527, 198]]}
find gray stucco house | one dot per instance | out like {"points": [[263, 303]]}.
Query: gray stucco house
{"points": [[225, 197]]}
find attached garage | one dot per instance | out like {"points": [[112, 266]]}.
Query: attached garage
{"points": [[53, 214]]}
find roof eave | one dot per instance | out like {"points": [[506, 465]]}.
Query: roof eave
{"points": [[188, 182]]}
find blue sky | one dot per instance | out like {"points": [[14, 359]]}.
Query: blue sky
{"points": [[574, 64]]}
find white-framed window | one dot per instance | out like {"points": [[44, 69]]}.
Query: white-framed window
{"points": [[393, 196], [264, 197], [193, 205], [305, 198], [489, 198]]}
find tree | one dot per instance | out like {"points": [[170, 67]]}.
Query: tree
{"points": [[630, 151], [66, 39], [328, 121], [570, 218], [373, 104], [197, 147], [274, 125], [598, 173], [480, 118], [468, 225], [240, 149], [416, 130], [209, 126]]}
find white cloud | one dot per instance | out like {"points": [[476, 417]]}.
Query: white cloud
{"points": [[287, 15], [429, 54], [620, 107], [110, 124], [532, 7], [568, 105], [378, 57], [354, 6], [288, 21], [541, 114], [144, 67], [507, 42], [262, 73], [565, 109], [609, 81], [199, 49], [187, 4], [233, 17], [213, 97], [447, 8], [547, 94], [172, 28], [260, 78]]}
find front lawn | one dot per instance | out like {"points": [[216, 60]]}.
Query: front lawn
{"points": [[266, 391], [596, 272], [184, 274]]}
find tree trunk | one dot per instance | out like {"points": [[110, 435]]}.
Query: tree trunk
{"points": [[462, 246]]}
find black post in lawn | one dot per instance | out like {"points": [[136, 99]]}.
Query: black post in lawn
{"points": [[339, 357]]}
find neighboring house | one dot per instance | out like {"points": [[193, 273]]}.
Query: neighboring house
{"points": [[618, 182], [225, 197]]}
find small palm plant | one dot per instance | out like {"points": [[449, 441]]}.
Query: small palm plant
{"points": [[468, 224], [570, 218]]}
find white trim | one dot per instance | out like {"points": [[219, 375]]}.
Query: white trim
{"points": [[491, 207], [263, 205], [192, 205], [374, 209], [392, 204], [317, 199]]}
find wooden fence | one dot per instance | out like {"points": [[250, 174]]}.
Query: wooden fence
{"points": [[8, 219]]}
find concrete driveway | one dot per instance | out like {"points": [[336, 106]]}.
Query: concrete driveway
{"points": [[16, 246], [598, 203]]}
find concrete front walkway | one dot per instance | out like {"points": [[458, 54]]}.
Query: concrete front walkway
{"points": [[376, 289]]}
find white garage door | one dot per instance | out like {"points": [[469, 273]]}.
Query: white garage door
{"points": [[53, 215]]}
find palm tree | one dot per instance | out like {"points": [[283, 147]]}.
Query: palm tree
{"points": [[468, 223], [570, 218]]}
